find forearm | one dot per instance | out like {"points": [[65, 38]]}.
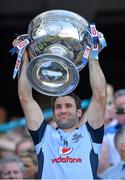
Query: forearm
{"points": [[24, 87], [96, 108], [97, 79]]}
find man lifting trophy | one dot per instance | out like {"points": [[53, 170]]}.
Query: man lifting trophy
{"points": [[59, 43]]}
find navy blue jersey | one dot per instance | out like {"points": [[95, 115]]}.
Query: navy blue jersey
{"points": [[67, 155]]}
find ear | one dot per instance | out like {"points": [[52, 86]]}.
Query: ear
{"points": [[79, 113], [53, 117]]}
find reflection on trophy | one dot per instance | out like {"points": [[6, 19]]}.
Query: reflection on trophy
{"points": [[58, 39]]}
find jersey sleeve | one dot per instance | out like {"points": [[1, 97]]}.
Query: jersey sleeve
{"points": [[38, 134], [96, 134]]}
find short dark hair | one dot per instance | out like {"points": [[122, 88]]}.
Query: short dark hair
{"points": [[120, 92], [73, 95]]}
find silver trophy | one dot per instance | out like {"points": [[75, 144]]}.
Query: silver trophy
{"points": [[58, 39]]}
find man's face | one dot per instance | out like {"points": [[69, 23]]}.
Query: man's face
{"points": [[12, 171], [120, 103], [30, 169], [66, 114]]}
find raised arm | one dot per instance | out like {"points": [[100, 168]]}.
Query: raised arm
{"points": [[95, 112], [32, 111]]}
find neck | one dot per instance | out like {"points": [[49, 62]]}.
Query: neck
{"points": [[70, 129]]}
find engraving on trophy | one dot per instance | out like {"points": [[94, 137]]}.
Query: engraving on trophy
{"points": [[53, 74]]}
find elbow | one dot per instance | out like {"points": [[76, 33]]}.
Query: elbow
{"points": [[24, 94], [102, 96], [23, 97]]}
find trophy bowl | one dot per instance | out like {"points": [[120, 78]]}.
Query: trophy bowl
{"points": [[58, 39]]}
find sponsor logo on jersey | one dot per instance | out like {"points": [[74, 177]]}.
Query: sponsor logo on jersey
{"points": [[65, 150], [66, 159]]}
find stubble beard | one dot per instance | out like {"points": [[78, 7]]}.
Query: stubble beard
{"points": [[70, 123]]}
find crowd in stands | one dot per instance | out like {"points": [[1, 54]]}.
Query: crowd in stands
{"points": [[17, 154], [18, 157]]}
